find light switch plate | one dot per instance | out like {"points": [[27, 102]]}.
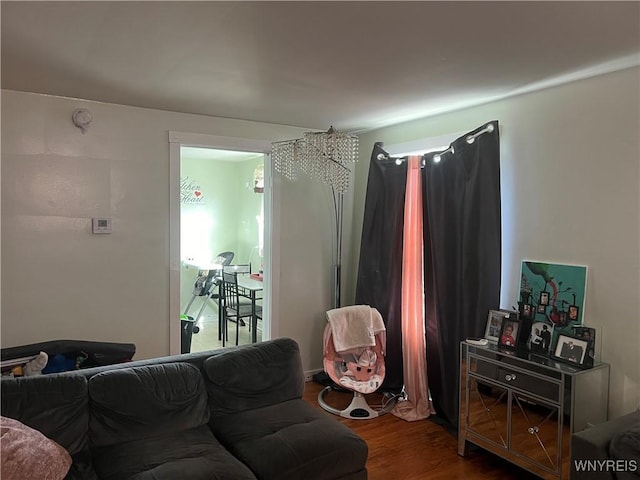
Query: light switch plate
{"points": [[101, 225]]}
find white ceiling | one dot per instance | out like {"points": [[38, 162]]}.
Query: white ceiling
{"points": [[354, 65]]}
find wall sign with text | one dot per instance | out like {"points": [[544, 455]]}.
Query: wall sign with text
{"points": [[190, 192]]}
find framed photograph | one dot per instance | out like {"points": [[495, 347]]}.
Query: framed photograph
{"points": [[574, 312], [544, 298], [540, 339], [562, 319], [571, 349], [588, 335], [509, 334], [494, 323], [527, 310], [541, 308]]}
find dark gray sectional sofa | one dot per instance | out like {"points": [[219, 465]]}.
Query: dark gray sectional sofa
{"points": [[230, 414], [608, 451]]}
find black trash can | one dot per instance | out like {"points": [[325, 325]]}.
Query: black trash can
{"points": [[188, 328]]}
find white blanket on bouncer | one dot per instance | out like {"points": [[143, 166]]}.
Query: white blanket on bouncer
{"points": [[355, 326]]}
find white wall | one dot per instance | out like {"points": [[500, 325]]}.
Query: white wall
{"points": [[570, 182], [305, 264], [60, 281], [570, 171]]}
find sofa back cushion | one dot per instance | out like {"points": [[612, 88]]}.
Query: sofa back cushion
{"points": [[135, 403], [254, 376], [55, 405]]}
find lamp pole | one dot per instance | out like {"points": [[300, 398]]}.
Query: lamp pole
{"points": [[338, 200]]}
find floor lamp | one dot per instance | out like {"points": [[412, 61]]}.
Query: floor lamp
{"points": [[325, 156]]}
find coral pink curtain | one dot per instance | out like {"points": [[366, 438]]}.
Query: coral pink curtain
{"points": [[414, 358]]}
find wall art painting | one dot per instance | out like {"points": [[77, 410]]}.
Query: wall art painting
{"points": [[553, 293]]}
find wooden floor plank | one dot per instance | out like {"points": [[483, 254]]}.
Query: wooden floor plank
{"points": [[416, 450]]}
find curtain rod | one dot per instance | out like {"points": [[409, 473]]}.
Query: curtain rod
{"points": [[438, 156]]}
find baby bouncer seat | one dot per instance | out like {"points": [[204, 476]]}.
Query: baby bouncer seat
{"points": [[354, 343]]}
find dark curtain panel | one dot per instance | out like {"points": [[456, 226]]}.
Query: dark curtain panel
{"points": [[462, 242], [379, 280]]}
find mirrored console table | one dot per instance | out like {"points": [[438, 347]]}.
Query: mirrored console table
{"points": [[524, 407]]}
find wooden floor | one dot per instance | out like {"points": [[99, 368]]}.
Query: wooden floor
{"points": [[421, 450]]}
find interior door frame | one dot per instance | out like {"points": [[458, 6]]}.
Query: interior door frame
{"points": [[271, 226]]}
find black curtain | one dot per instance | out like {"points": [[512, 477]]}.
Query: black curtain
{"points": [[462, 255], [462, 231], [379, 282]]}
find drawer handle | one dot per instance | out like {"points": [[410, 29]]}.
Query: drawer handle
{"points": [[533, 430], [510, 376]]}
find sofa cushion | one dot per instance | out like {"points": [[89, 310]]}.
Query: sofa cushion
{"points": [[82, 467], [625, 448], [291, 441], [194, 454], [27, 453], [136, 403], [254, 376], [594, 444], [56, 405]]}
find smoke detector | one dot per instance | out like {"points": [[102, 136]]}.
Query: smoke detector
{"points": [[82, 118]]}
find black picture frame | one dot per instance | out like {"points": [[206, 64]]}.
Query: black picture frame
{"points": [[527, 311], [570, 349], [544, 298], [540, 338], [587, 334], [494, 323], [509, 338], [573, 313], [562, 319]]}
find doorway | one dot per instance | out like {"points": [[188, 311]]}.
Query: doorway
{"points": [[221, 201], [221, 211]]}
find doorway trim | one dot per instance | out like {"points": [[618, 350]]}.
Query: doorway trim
{"points": [[272, 220]]}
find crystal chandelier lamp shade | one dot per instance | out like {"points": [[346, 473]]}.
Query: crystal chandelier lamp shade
{"points": [[286, 157], [321, 155], [327, 156]]}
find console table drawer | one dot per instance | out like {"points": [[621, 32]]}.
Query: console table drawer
{"points": [[511, 377]]}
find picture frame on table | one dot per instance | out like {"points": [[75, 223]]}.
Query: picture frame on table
{"points": [[560, 288], [571, 349], [527, 311], [539, 341], [509, 334], [494, 323], [587, 334]]}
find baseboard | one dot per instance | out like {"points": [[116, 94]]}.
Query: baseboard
{"points": [[308, 375]]}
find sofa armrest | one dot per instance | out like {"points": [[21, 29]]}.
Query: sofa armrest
{"points": [[592, 445], [254, 376]]}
